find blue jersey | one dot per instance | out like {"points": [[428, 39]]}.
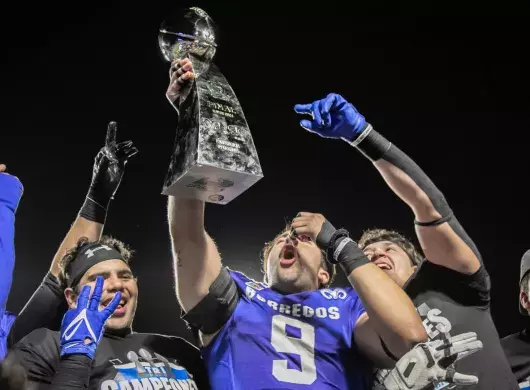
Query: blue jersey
{"points": [[293, 341], [10, 193]]}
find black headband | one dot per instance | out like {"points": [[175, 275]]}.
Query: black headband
{"points": [[90, 256]]}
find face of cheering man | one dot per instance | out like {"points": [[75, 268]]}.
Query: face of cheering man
{"points": [[118, 277], [295, 264], [390, 258]]}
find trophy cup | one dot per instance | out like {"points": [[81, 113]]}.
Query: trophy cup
{"points": [[214, 158]]}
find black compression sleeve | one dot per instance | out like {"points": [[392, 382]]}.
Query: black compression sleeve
{"points": [[45, 309], [73, 373], [376, 147], [216, 308]]}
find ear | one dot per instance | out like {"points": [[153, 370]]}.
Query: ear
{"points": [[71, 297], [523, 298], [323, 277]]}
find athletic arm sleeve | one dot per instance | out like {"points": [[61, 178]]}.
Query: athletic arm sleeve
{"points": [[216, 308], [7, 252], [73, 373], [376, 147], [45, 309]]}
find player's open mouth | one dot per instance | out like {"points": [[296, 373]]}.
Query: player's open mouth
{"points": [[288, 255], [383, 264], [120, 310]]}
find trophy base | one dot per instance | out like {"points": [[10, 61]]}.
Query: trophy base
{"points": [[211, 184]]}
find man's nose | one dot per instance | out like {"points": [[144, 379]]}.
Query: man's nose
{"points": [[292, 239], [113, 283], [378, 253]]}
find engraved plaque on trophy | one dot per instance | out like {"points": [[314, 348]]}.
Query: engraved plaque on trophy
{"points": [[214, 158]]}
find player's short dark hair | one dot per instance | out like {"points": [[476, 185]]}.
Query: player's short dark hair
{"points": [[71, 255], [376, 235], [328, 267]]}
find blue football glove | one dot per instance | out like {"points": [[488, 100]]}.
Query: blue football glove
{"points": [[11, 190], [82, 327], [333, 117]]}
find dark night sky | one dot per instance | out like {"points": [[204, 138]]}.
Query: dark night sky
{"points": [[448, 86]]}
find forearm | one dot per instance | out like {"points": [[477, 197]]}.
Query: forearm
{"points": [[390, 310], [81, 227], [197, 262], [73, 373], [392, 315], [7, 253], [186, 219], [430, 208], [107, 173], [405, 178]]}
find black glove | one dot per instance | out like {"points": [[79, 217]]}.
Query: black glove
{"points": [[109, 167]]}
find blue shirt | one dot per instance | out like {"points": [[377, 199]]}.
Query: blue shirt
{"points": [[291, 341], [10, 193]]}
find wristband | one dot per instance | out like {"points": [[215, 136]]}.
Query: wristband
{"points": [[342, 250], [330, 247], [370, 143], [348, 255], [434, 223], [93, 211], [325, 236]]}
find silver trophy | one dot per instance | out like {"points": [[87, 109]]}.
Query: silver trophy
{"points": [[214, 157]]}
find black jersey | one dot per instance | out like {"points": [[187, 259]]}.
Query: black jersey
{"points": [[517, 349], [451, 303], [133, 361]]}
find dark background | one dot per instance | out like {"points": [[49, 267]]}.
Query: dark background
{"points": [[449, 85]]}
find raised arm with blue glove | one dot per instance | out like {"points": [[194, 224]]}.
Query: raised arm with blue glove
{"points": [[10, 193], [334, 117]]}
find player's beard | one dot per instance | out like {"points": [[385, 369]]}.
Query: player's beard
{"points": [[291, 280]]}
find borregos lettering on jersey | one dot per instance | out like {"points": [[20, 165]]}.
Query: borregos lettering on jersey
{"points": [[298, 309]]}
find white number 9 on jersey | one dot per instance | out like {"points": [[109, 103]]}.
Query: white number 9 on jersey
{"points": [[303, 346]]}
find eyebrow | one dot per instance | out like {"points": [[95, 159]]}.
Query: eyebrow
{"points": [[95, 275], [106, 274], [385, 244], [283, 235]]}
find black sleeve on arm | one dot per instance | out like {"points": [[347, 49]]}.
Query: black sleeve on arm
{"points": [[73, 373], [45, 309], [375, 147], [216, 308]]}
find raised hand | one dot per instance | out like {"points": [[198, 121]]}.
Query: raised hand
{"points": [[429, 363], [314, 226], [82, 327], [109, 167], [180, 76], [332, 117]]}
